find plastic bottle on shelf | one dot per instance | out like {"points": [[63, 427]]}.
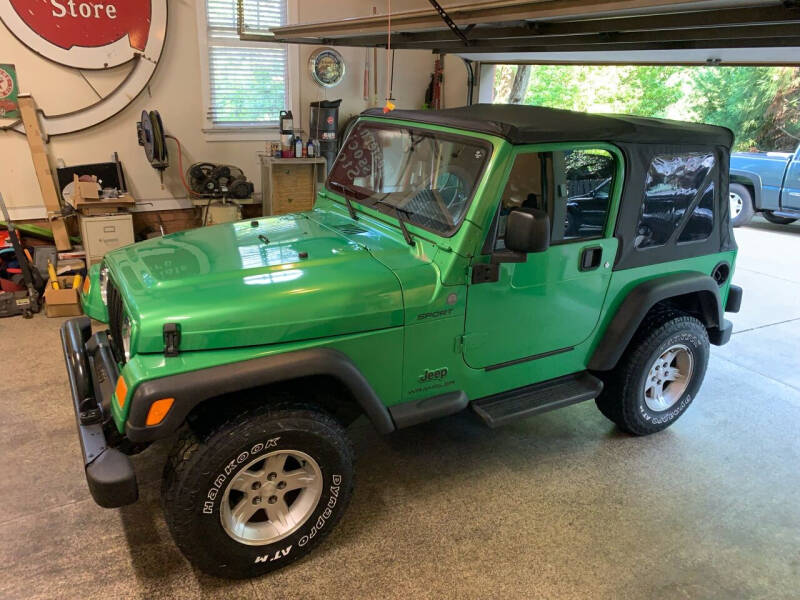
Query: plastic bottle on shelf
{"points": [[310, 148], [298, 147]]}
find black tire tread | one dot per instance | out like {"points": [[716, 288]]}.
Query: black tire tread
{"points": [[179, 505], [657, 324]]}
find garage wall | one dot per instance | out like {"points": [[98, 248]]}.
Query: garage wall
{"points": [[175, 91]]}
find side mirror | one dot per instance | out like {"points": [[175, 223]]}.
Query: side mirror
{"points": [[528, 230]]}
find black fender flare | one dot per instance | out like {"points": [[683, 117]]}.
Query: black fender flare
{"points": [[642, 298], [191, 388]]}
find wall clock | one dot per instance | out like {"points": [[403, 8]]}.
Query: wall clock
{"points": [[327, 67]]}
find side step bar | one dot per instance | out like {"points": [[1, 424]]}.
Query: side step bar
{"points": [[535, 399]]}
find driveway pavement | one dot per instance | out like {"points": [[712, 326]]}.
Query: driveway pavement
{"points": [[766, 338]]}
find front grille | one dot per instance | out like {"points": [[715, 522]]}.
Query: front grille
{"points": [[116, 312]]}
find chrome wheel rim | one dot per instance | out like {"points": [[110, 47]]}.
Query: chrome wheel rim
{"points": [[736, 205], [668, 378], [271, 497]]}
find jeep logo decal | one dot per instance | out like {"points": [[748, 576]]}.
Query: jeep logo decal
{"points": [[429, 375]]}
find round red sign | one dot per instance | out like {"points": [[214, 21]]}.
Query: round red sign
{"points": [[92, 34], [85, 34], [6, 84]]}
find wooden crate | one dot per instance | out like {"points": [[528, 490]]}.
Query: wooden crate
{"points": [[290, 184]]}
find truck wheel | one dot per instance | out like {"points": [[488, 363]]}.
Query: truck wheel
{"points": [[659, 374], [741, 205], [777, 220], [259, 492]]}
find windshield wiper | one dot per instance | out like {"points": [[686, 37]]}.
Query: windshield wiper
{"points": [[347, 200], [397, 211]]}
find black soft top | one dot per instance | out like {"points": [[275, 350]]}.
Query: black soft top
{"points": [[520, 124]]}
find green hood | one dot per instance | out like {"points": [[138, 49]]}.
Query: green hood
{"points": [[226, 287]]}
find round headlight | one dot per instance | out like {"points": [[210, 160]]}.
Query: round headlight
{"points": [[102, 280], [125, 330]]}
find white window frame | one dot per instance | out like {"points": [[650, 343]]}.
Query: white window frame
{"points": [[221, 133]]}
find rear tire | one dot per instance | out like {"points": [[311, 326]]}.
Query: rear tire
{"points": [[742, 210], [659, 374], [259, 492], [777, 220]]}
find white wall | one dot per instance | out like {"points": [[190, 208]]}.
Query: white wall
{"points": [[175, 91]]}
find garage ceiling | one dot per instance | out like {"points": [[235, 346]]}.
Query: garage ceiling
{"points": [[581, 31]]}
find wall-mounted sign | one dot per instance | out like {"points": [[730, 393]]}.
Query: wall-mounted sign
{"points": [[92, 34], [86, 34], [327, 67], [9, 109]]}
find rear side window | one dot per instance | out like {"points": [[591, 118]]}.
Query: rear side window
{"points": [[675, 184]]}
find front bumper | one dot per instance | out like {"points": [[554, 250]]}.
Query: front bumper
{"points": [[92, 373]]}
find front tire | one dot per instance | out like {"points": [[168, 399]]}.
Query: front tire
{"points": [[659, 374], [259, 492], [741, 200]]}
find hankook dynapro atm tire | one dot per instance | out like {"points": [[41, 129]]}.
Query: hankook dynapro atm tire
{"points": [[258, 492], [659, 374]]}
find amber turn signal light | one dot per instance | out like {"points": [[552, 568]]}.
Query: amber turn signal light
{"points": [[158, 410], [121, 391]]}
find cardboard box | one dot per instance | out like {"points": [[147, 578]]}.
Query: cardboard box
{"points": [[85, 191], [86, 199], [63, 302]]}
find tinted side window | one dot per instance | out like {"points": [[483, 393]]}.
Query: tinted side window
{"points": [[673, 182], [573, 187]]}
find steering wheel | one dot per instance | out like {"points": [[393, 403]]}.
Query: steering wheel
{"points": [[453, 190]]}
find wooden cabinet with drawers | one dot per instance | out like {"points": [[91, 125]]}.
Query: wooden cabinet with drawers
{"points": [[290, 184]]}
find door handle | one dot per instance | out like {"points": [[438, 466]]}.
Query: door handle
{"points": [[591, 258]]}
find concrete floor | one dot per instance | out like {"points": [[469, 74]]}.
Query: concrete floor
{"points": [[560, 505]]}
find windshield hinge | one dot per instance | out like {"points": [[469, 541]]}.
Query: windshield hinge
{"points": [[172, 339]]}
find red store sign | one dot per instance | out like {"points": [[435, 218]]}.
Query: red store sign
{"points": [[85, 34]]}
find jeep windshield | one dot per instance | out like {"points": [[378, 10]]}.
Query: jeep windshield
{"points": [[424, 177]]}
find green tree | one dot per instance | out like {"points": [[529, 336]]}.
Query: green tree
{"points": [[781, 129], [737, 98], [760, 104], [652, 90]]}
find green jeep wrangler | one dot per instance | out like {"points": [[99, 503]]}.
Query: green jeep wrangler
{"points": [[507, 259]]}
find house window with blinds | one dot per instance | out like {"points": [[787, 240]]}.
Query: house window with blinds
{"points": [[248, 81]]}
